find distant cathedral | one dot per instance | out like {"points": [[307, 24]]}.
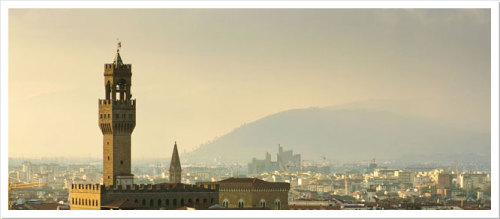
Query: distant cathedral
{"points": [[117, 115]]}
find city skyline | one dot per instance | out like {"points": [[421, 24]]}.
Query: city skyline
{"points": [[292, 109], [218, 69]]}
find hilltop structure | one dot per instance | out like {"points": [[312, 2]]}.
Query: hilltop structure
{"points": [[285, 160], [118, 191]]}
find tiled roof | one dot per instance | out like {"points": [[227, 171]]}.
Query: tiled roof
{"points": [[44, 206], [242, 180], [114, 204]]}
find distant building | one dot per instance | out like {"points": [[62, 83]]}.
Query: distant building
{"points": [[385, 173], [259, 166], [444, 180], [407, 177], [286, 160], [474, 180]]}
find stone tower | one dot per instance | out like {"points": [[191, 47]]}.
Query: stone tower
{"points": [[175, 166], [117, 121]]}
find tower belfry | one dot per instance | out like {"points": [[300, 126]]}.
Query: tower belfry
{"points": [[175, 170], [117, 122]]}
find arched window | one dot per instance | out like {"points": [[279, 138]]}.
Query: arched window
{"points": [[212, 200], [121, 89], [159, 202], [72, 201], [166, 202], [182, 202], [277, 204], [204, 200], [135, 200], [92, 202], [175, 202], [262, 203], [96, 202], [197, 200], [144, 202], [241, 203], [190, 201], [151, 203], [225, 203]]}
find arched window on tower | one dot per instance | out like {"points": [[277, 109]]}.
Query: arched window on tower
{"points": [[225, 203], [121, 90]]}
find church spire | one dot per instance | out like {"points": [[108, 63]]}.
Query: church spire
{"points": [[175, 166]]}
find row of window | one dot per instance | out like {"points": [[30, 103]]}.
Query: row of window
{"points": [[104, 116], [159, 202], [262, 203], [85, 202]]}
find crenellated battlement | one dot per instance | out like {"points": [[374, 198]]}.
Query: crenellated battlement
{"points": [[154, 188], [98, 188], [110, 67], [109, 102], [249, 185], [86, 188]]}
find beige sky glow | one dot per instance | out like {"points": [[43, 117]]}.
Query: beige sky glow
{"points": [[199, 73]]}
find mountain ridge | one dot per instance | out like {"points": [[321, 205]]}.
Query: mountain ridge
{"points": [[342, 134]]}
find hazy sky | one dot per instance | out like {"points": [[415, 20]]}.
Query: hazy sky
{"points": [[199, 73]]}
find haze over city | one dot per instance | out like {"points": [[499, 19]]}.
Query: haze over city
{"points": [[198, 74], [251, 109]]}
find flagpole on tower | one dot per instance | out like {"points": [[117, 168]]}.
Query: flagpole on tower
{"points": [[119, 45]]}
